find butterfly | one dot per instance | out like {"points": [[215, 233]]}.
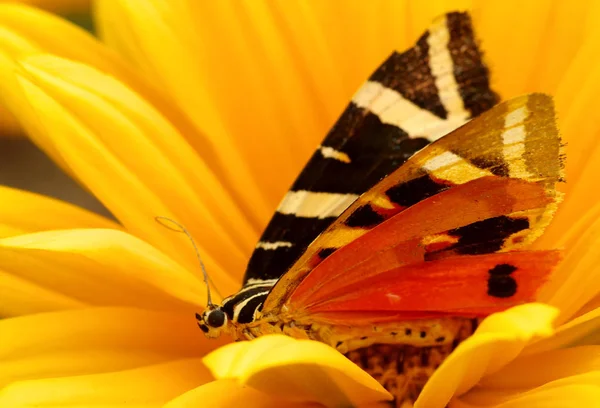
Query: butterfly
{"points": [[412, 218]]}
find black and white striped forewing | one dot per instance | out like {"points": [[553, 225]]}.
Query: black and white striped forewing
{"points": [[411, 100]]}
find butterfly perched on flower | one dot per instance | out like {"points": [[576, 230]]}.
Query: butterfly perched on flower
{"points": [[410, 221]]}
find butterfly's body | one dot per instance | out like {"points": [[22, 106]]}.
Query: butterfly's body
{"points": [[394, 240], [346, 338]]}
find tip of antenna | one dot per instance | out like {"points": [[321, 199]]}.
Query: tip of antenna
{"points": [[169, 223]]}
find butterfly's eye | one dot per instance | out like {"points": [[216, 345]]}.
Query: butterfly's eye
{"points": [[215, 318]]}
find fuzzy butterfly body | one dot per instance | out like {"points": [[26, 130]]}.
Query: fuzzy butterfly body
{"points": [[411, 221]]}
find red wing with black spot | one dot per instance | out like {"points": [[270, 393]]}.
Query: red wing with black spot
{"points": [[450, 224]]}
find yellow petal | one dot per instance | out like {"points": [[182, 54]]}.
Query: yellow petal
{"points": [[136, 180], [577, 279], [233, 360], [576, 391], [21, 212], [39, 31], [94, 340], [297, 370], [149, 386], [13, 99], [229, 394], [166, 32], [102, 267], [76, 84], [498, 25], [21, 297], [498, 340], [536, 370], [572, 333]]}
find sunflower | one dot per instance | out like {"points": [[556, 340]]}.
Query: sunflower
{"points": [[204, 112]]}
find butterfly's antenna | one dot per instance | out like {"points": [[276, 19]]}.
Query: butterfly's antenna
{"points": [[161, 220]]}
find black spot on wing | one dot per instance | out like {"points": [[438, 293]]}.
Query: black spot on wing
{"points": [[496, 167], [470, 73], [325, 252], [486, 236], [500, 282], [415, 190], [409, 75], [364, 216], [502, 270], [501, 286]]}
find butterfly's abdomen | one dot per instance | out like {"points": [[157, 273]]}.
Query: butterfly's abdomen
{"points": [[404, 369], [416, 333]]}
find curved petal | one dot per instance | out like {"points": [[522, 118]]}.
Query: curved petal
{"points": [[21, 210], [572, 333], [102, 267], [230, 394], [165, 32], [21, 297], [95, 340], [17, 105], [575, 391], [116, 151], [497, 341], [538, 369], [149, 386], [297, 370], [45, 32], [577, 279]]}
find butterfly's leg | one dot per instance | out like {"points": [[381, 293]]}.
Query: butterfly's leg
{"points": [[248, 334]]}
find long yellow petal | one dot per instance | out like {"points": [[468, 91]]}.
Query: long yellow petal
{"points": [[498, 340], [89, 93], [103, 268], [16, 103], [90, 341], [38, 31], [577, 279], [21, 297], [296, 370], [165, 32], [135, 180], [538, 369], [21, 212], [230, 394], [571, 392], [150, 386]]}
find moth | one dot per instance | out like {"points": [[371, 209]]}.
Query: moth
{"points": [[411, 220]]}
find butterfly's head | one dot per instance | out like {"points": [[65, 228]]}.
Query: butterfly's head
{"points": [[212, 321]]}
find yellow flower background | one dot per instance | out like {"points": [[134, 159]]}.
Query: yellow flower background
{"points": [[204, 112]]}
